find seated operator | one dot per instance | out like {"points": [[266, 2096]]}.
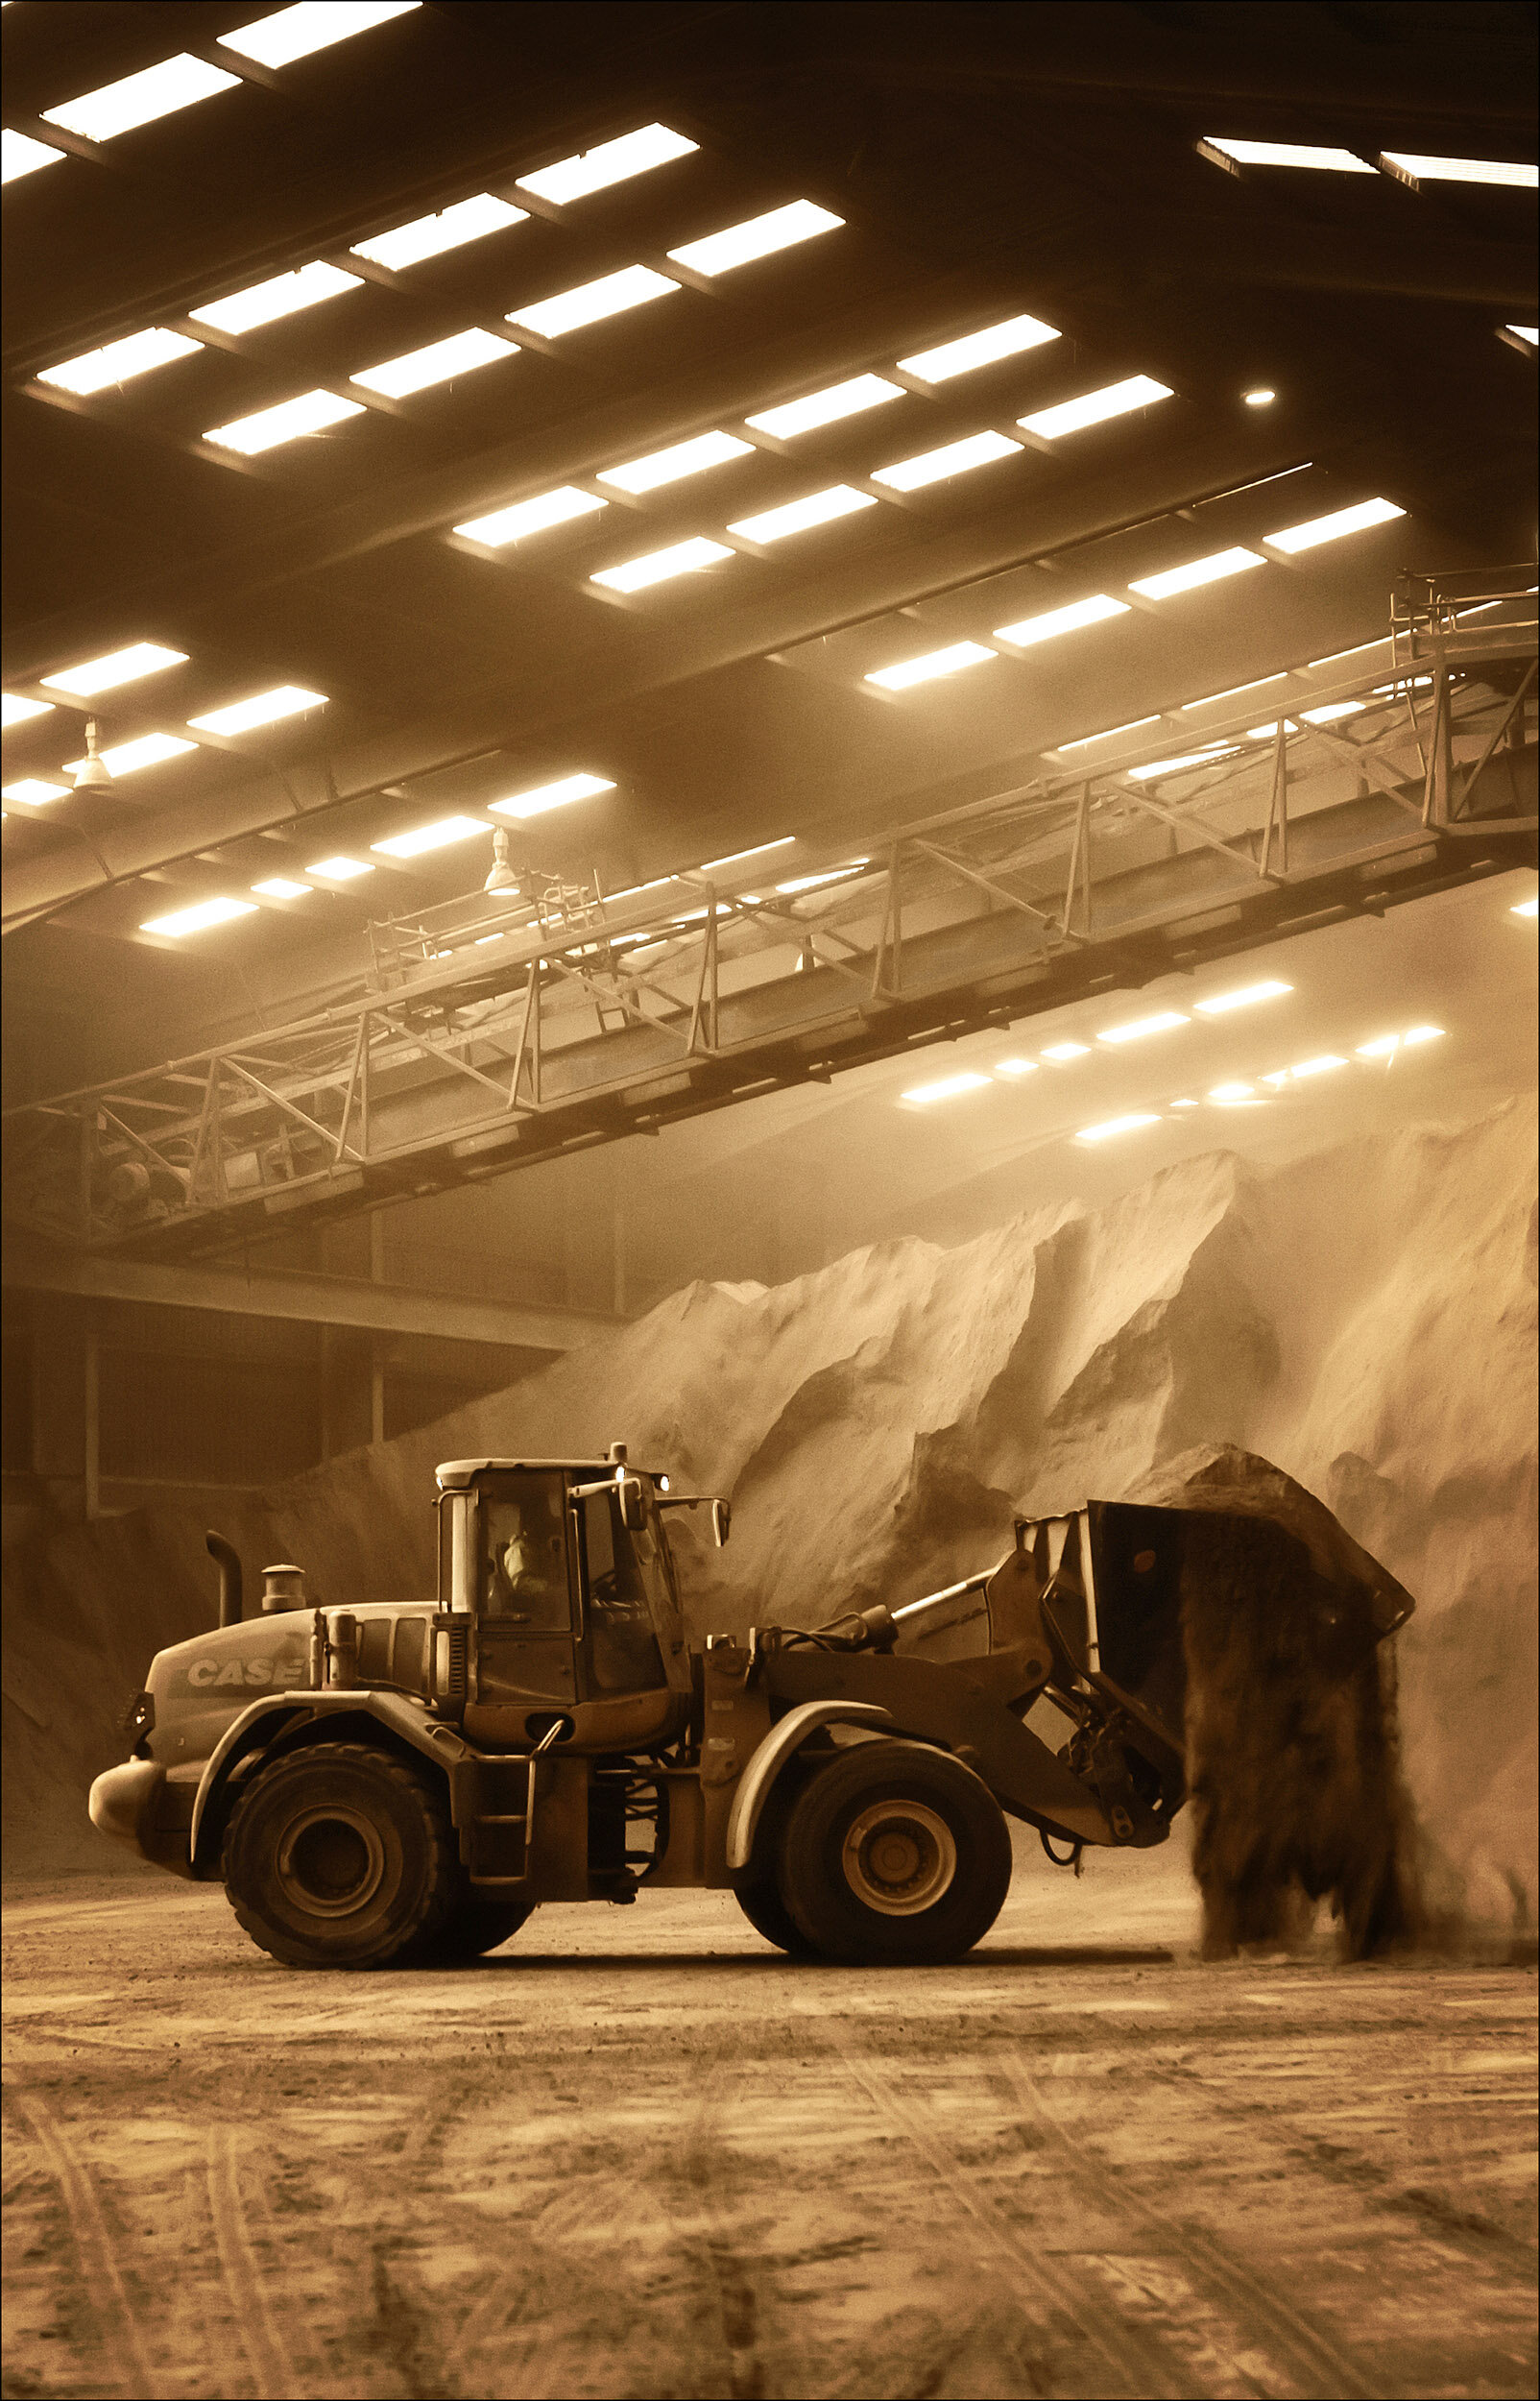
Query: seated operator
{"points": [[526, 1579]]}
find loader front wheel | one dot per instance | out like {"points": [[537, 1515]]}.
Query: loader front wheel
{"points": [[340, 1857], [895, 1854]]}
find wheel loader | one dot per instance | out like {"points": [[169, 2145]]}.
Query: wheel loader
{"points": [[406, 1782]]}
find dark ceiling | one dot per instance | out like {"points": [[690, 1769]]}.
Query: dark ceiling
{"points": [[986, 160]]}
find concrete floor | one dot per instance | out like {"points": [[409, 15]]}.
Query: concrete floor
{"points": [[639, 2154]]}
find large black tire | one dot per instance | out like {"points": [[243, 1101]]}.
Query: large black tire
{"points": [[477, 1922], [768, 1914], [339, 1855], [895, 1854]]}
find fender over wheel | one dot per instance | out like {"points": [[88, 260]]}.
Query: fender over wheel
{"points": [[895, 1854], [340, 1855]]}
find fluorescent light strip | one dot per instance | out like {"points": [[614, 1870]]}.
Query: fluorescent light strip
{"points": [[961, 357], [790, 418], [660, 567], [341, 869], [1061, 1052], [829, 875], [151, 750], [1196, 572], [1235, 691], [1016, 1067], [588, 304], [1530, 907], [1111, 734], [1525, 334], [310, 412], [199, 918], [796, 517], [117, 362], [416, 369], [264, 708], [947, 1089], [1231, 1096], [1512, 173], [1208, 758], [1030, 630], [1322, 156], [117, 667], [935, 662], [543, 796], [1317, 1066], [428, 238], [278, 296], [1138, 1028], [680, 459], [1115, 1125], [1334, 658], [15, 710], [782, 841], [426, 838], [1318, 530], [34, 791], [757, 238], [610, 162], [531, 516], [20, 154], [282, 887], [1094, 408], [1220, 1003], [953, 458], [309, 26], [157, 91]]}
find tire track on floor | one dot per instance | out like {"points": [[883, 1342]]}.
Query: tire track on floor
{"points": [[1317, 2367], [125, 2355], [737, 2292], [273, 2372], [1134, 2364]]}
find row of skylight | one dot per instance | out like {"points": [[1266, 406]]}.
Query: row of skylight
{"points": [[1402, 167], [1238, 1093], [1129, 1030], [179, 83]]}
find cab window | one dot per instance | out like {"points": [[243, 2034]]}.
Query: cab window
{"points": [[623, 1648], [521, 1576]]}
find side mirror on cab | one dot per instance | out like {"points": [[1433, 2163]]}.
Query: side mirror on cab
{"points": [[721, 1522], [632, 1503]]}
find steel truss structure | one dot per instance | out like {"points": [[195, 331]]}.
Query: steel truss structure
{"points": [[515, 1033]]}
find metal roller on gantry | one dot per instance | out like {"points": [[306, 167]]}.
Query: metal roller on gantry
{"points": [[499, 1032]]}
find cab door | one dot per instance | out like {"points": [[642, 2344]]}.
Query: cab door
{"points": [[524, 1596]]}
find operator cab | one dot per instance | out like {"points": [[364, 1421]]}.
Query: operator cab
{"points": [[561, 1569]]}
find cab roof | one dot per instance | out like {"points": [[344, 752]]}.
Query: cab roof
{"points": [[455, 1474]]}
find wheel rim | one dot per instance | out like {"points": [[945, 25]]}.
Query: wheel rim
{"points": [[331, 1861], [899, 1857]]}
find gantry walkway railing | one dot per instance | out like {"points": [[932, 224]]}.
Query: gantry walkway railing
{"points": [[520, 1036]]}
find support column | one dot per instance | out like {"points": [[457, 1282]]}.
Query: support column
{"points": [[376, 1343], [91, 1425]]}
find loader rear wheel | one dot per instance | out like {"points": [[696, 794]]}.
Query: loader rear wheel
{"points": [[340, 1857], [895, 1854]]}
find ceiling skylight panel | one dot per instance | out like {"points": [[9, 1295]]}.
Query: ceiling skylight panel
{"points": [[543, 796], [310, 412], [1109, 734], [280, 296], [796, 517], [949, 1088], [1138, 1028], [157, 91], [117, 667], [309, 26], [264, 708], [953, 458], [1006, 340], [588, 303], [282, 887], [1417, 169], [416, 369], [1112, 1126], [151, 750], [531, 516], [610, 162], [199, 917], [1321, 156], [420, 838], [935, 662], [757, 238], [1234, 692], [680, 459], [34, 792], [1245, 996], [340, 869], [1197, 573], [15, 710], [1208, 758], [660, 567], [428, 238], [20, 154], [1332, 528], [1094, 408], [1028, 630], [825, 408], [117, 362]]}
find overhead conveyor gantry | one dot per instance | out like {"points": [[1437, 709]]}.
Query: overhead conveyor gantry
{"points": [[518, 1033]]}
